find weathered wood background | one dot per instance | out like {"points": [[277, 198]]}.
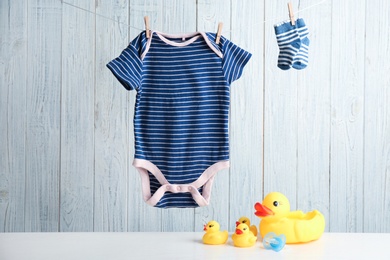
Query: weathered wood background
{"points": [[321, 135]]}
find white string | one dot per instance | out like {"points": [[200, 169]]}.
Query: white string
{"points": [[103, 16], [304, 9], [311, 6], [141, 29]]}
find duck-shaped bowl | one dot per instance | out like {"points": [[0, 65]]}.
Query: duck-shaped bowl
{"points": [[297, 226]]}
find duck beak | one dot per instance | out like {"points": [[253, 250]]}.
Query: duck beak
{"points": [[262, 211], [238, 231], [237, 223], [204, 228]]}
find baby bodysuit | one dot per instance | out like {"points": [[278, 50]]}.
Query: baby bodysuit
{"points": [[181, 112]]}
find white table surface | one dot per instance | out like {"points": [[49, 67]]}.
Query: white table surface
{"points": [[185, 245]]}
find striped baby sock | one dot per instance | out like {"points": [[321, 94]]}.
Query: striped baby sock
{"points": [[301, 60], [289, 43]]}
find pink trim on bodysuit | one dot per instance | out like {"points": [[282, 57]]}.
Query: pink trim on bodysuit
{"points": [[205, 180], [193, 37]]}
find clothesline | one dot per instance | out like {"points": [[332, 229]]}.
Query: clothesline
{"points": [[224, 31]]}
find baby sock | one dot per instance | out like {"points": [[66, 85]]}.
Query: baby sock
{"points": [[301, 60], [289, 43]]}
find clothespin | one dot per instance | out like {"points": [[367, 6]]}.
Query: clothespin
{"points": [[147, 27], [291, 13], [219, 33]]}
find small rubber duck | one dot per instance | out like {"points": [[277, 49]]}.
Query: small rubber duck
{"points": [[298, 227], [213, 236], [243, 237], [245, 220]]}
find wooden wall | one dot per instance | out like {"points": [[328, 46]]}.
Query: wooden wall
{"points": [[320, 135]]}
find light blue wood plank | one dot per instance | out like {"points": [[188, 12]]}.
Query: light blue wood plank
{"points": [[111, 121], [314, 113], [377, 119], [77, 119], [246, 121], [43, 116], [13, 84], [347, 104], [280, 112]]}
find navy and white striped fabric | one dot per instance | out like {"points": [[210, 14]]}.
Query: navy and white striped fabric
{"points": [[293, 44], [301, 59], [288, 42], [182, 106]]}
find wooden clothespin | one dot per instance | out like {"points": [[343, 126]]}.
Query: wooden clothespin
{"points": [[219, 33], [147, 27], [291, 13]]}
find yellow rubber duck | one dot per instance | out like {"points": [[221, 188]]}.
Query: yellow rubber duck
{"points": [[245, 220], [297, 226], [213, 236], [243, 237]]}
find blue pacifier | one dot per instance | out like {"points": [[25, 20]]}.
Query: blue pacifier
{"points": [[274, 242]]}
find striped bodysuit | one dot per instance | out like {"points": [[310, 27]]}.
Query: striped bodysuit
{"points": [[181, 112]]}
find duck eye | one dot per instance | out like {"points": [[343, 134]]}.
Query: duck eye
{"points": [[276, 203], [244, 221], [245, 228], [211, 225]]}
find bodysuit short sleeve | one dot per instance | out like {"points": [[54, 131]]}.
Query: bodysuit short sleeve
{"points": [[234, 60], [127, 68]]}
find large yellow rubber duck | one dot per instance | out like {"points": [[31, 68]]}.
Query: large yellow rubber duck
{"points": [[297, 226], [245, 220], [243, 237], [213, 236]]}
